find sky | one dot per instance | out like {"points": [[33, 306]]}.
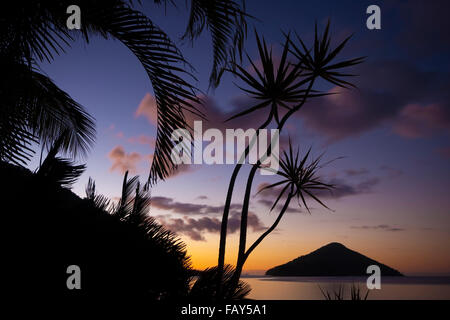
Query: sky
{"points": [[392, 133]]}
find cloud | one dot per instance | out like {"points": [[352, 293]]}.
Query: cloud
{"points": [[416, 121], [444, 152], [215, 114], [356, 172], [269, 203], [119, 135], [395, 94], [346, 113], [209, 222], [122, 161], [343, 189], [169, 204], [195, 228], [383, 227], [142, 139], [391, 172], [148, 108]]}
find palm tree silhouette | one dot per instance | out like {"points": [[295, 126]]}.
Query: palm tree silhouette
{"points": [[286, 87], [299, 180], [35, 110]]}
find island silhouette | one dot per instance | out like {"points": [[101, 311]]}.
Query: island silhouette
{"points": [[331, 260]]}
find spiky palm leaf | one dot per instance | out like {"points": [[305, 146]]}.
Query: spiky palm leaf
{"points": [[59, 170], [205, 286], [299, 178], [133, 208], [226, 19], [277, 86], [318, 61], [34, 109], [99, 201]]}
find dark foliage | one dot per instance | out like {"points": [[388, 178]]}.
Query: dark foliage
{"points": [[51, 228], [205, 287], [35, 110]]}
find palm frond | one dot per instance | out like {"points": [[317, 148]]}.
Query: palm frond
{"points": [[226, 20], [318, 61], [35, 110], [300, 175], [15, 137], [54, 111], [124, 207], [38, 30], [273, 84], [205, 286], [99, 201], [133, 208], [163, 63], [58, 170]]}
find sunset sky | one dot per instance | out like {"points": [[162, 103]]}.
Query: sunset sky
{"points": [[393, 133]]}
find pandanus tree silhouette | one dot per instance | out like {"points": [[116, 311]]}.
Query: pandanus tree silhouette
{"points": [[35, 110], [299, 180], [283, 89]]}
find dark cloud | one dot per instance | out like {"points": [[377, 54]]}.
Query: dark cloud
{"points": [[342, 189], [383, 227], [210, 222], [412, 102], [214, 114], [391, 172], [356, 172], [426, 28], [170, 204], [444, 152], [293, 208], [195, 228], [416, 121]]}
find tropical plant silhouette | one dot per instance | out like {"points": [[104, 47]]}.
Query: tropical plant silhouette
{"points": [[132, 209], [299, 179], [35, 110], [284, 88], [339, 293], [120, 249], [205, 287]]}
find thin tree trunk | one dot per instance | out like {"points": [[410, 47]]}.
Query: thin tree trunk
{"points": [[226, 209], [240, 265], [242, 256], [268, 231], [223, 230], [244, 216]]}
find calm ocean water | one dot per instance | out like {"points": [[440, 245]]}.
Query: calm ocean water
{"points": [[308, 288]]}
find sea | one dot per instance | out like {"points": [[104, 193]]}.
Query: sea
{"points": [[313, 288]]}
